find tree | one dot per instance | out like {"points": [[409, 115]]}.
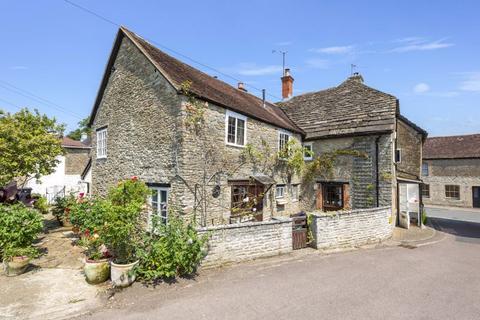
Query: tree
{"points": [[82, 128], [29, 145]]}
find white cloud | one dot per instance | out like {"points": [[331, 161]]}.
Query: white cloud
{"points": [[334, 50], [471, 82], [318, 63], [251, 69], [421, 88], [420, 44]]}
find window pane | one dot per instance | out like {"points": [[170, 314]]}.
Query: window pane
{"points": [[231, 130], [240, 132]]}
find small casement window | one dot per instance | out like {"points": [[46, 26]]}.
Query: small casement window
{"points": [[426, 190], [235, 129], [425, 169], [280, 192], [102, 143], [452, 192], [308, 151], [283, 137], [398, 155], [332, 196], [159, 204], [295, 188]]}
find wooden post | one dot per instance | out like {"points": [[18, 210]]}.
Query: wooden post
{"points": [[319, 197], [346, 196]]}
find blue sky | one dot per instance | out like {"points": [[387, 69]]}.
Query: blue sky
{"points": [[425, 53]]}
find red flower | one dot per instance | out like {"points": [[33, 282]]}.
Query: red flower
{"points": [[81, 195], [134, 178], [87, 233]]}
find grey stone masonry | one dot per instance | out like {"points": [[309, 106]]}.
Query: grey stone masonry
{"points": [[247, 241], [344, 229]]}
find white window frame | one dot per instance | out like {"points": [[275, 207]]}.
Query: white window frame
{"points": [[284, 132], [102, 143], [237, 116], [399, 155], [309, 144], [159, 209], [427, 169], [280, 187]]}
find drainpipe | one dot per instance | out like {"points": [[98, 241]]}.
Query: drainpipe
{"points": [[377, 174]]}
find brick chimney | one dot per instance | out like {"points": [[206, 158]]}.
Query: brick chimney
{"points": [[287, 85]]}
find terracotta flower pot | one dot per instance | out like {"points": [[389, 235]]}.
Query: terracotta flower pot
{"points": [[96, 271], [16, 266], [121, 274]]}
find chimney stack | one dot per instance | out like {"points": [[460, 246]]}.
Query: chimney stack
{"points": [[241, 86], [287, 85]]}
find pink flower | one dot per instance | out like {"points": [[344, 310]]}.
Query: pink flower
{"points": [[81, 195], [134, 178]]}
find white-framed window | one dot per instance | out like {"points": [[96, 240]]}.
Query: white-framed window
{"points": [[295, 191], [283, 137], [398, 155], [159, 203], [235, 129], [308, 151], [280, 191], [102, 143]]}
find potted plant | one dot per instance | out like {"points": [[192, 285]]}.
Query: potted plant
{"points": [[19, 228], [97, 260], [123, 229], [16, 260], [61, 209]]}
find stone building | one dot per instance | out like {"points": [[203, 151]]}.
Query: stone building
{"points": [[451, 171], [353, 116], [67, 175], [144, 123]]}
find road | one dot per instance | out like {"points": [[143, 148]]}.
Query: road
{"points": [[436, 281]]}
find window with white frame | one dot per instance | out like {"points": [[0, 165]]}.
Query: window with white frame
{"points": [[308, 151], [235, 129], [102, 143], [295, 188], [283, 137], [280, 191], [398, 155], [425, 169], [159, 204]]}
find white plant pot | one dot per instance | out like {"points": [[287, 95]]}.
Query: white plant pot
{"points": [[121, 274]]}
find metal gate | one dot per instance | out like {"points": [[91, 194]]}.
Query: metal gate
{"points": [[299, 231]]}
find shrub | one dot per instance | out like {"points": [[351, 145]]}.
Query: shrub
{"points": [[171, 250], [19, 228], [89, 214], [424, 217], [61, 206], [41, 204], [130, 191], [95, 249]]}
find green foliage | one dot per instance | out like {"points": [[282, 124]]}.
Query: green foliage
{"points": [[130, 191], [89, 214], [61, 206], [19, 228], [29, 145], [195, 109], [11, 252], [82, 128], [323, 164], [41, 204], [95, 248], [171, 250], [424, 217]]}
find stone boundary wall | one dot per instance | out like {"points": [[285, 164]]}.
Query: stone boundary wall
{"points": [[247, 241], [344, 229]]}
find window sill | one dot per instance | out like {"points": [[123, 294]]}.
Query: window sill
{"points": [[235, 145]]}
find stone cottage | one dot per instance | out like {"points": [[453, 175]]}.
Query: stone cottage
{"points": [[144, 123], [451, 171]]}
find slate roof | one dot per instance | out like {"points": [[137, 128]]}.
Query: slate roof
{"points": [[350, 108], [70, 143], [452, 147], [205, 86]]}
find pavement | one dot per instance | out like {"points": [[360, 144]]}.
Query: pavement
{"points": [[439, 280]]}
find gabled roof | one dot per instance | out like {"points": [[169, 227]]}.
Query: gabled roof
{"points": [[452, 147], [70, 143], [202, 86], [350, 108], [423, 132]]}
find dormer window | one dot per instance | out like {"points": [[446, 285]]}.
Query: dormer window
{"points": [[235, 129]]}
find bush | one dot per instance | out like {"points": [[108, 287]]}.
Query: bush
{"points": [[89, 215], [424, 217], [19, 228], [172, 250], [41, 204], [61, 206]]}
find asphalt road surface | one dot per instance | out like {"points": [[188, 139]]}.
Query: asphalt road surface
{"points": [[435, 281]]}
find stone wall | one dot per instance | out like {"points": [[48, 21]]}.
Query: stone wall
{"points": [[409, 141], [76, 160], [359, 172], [247, 241], [344, 229]]}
